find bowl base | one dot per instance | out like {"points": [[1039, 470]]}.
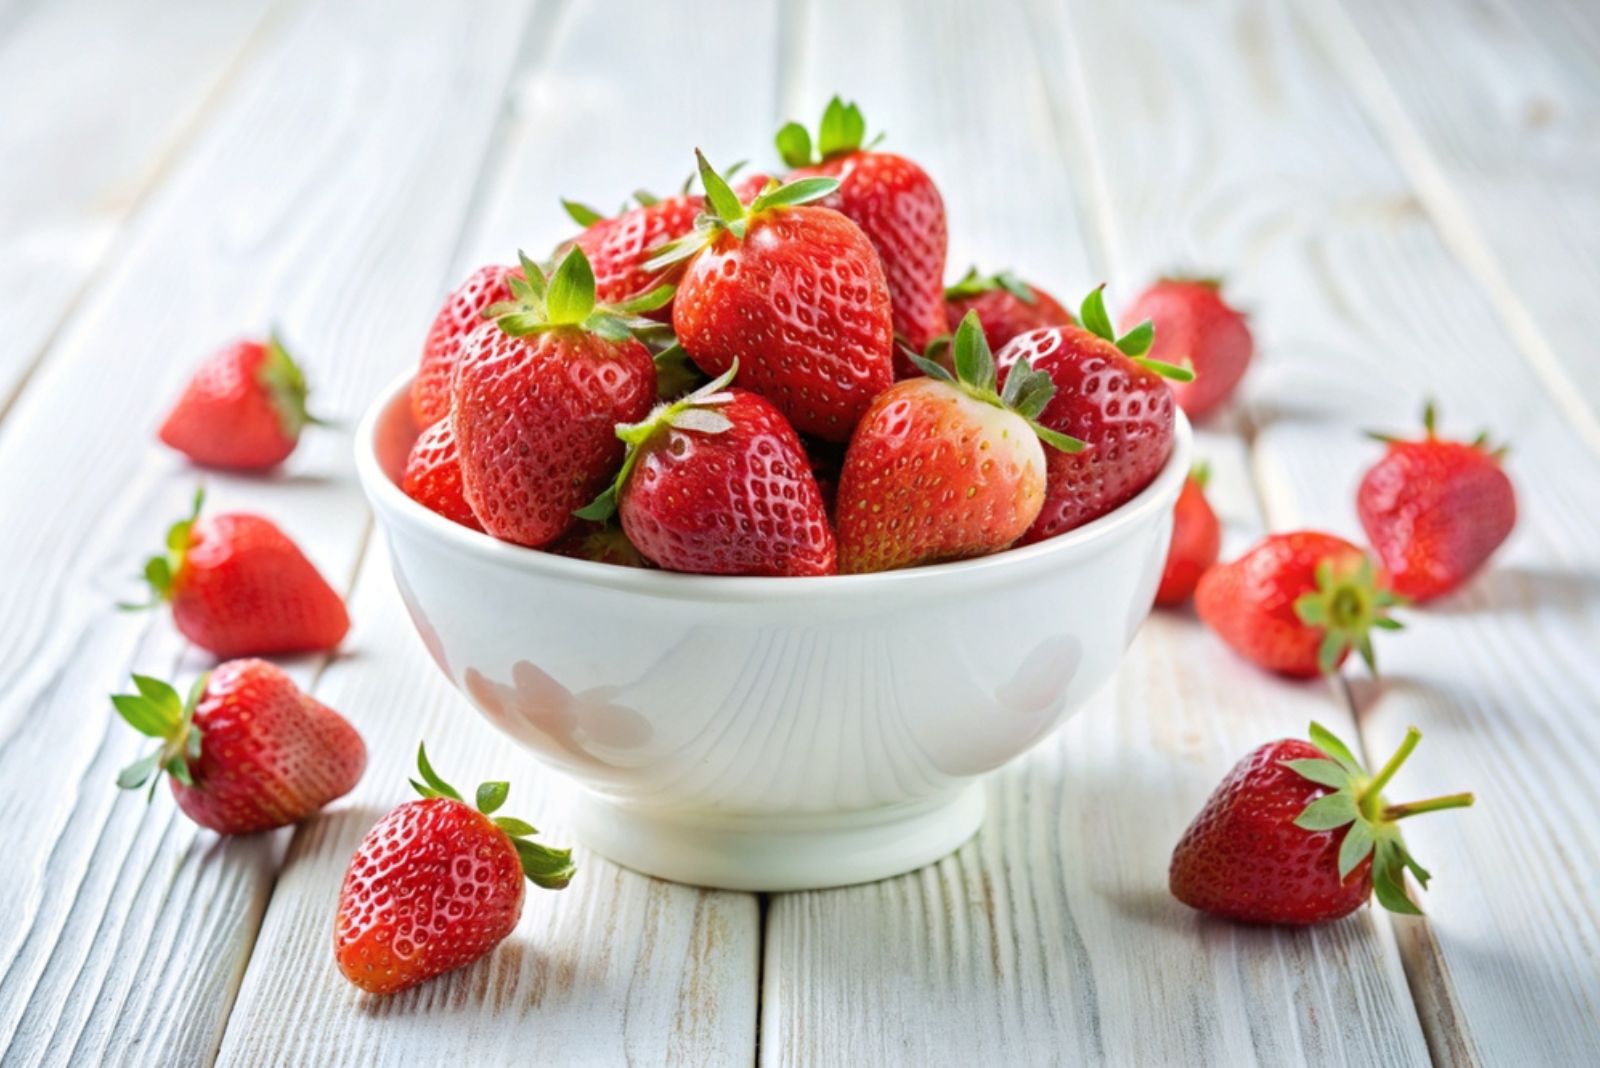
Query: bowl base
{"points": [[782, 851]]}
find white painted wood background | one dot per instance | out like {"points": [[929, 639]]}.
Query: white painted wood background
{"points": [[1404, 193]]}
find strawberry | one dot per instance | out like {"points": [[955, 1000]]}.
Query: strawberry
{"points": [[538, 393], [436, 884], [1196, 541], [1110, 396], [243, 409], [894, 202], [1435, 510], [944, 467], [246, 752], [718, 484], [239, 587], [1006, 306], [619, 247], [794, 294], [604, 543], [432, 475], [1299, 833], [1297, 603], [461, 315], [1195, 327]]}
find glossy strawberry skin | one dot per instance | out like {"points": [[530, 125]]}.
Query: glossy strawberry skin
{"points": [[739, 502], [1004, 315], [269, 754], [900, 210], [461, 314], [1243, 858], [1195, 325], [244, 588], [226, 416], [1250, 602], [1196, 543], [433, 886], [801, 303], [535, 422], [619, 247], [1122, 412], [933, 474], [1434, 512], [432, 475]]}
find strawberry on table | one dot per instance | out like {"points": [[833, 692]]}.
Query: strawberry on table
{"points": [[1436, 510], [432, 475], [1006, 306], [1196, 328], [1110, 396], [239, 587], [246, 752], [441, 351], [794, 294], [1300, 833], [538, 393], [436, 884], [1196, 540], [946, 466], [718, 484], [243, 409], [894, 202], [1297, 603]]}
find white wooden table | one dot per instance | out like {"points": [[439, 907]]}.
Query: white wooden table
{"points": [[1405, 193]]}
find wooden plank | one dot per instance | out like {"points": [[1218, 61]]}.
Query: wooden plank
{"points": [[329, 193], [1051, 937], [98, 97]]}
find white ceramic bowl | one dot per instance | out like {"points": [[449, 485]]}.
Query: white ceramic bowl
{"points": [[771, 733]]}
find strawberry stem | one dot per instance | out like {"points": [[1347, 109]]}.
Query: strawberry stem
{"points": [[1433, 804], [1371, 793]]}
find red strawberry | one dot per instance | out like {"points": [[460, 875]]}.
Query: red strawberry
{"points": [[619, 247], [1110, 397], [1196, 541], [1299, 833], [894, 202], [944, 467], [1296, 603], [1006, 306], [239, 587], [718, 484], [1435, 511], [1196, 328], [243, 409], [538, 394], [433, 474], [795, 295], [604, 543], [436, 884], [246, 752], [461, 315]]}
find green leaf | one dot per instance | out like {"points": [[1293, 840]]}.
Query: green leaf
{"points": [[582, 214], [969, 350], [1331, 648], [1057, 440], [702, 420], [160, 692], [1136, 342], [139, 772], [722, 199], [429, 776], [1329, 743], [144, 715], [1016, 287], [491, 795], [802, 191], [1326, 772], [659, 297], [178, 768], [676, 374], [1358, 842], [842, 131], [1170, 371], [1093, 315], [602, 507], [1326, 813], [514, 827], [1388, 881], [549, 868], [794, 144], [570, 298], [933, 370]]}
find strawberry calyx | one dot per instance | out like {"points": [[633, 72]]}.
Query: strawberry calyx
{"points": [[696, 411], [157, 711], [843, 130], [1346, 604], [1134, 344], [285, 384], [1430, 418], [550, 868], [1200, 475], [161, 571], [1027, 391], [973, 284], [726, 214], [565, 298], [1357, 802]]}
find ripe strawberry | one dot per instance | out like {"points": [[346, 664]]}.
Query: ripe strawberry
{"points": [[1109, 396], [538, 394], [243, 409], [1299, 833], [436, 884], [433, 474], [795, 295], [718, 484], [239, 587], [1006, 306], [944, 467], [619, 247], [1436, 510], [894, 202], [461, 315], [604, 543], [1297, 603], [1196, 328], [246, 752], [1196, 541]]}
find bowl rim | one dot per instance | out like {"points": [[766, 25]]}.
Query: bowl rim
{"points": [[392, 504]]}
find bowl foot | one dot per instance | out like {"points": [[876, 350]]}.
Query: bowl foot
{"points": [[780, 852]]}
